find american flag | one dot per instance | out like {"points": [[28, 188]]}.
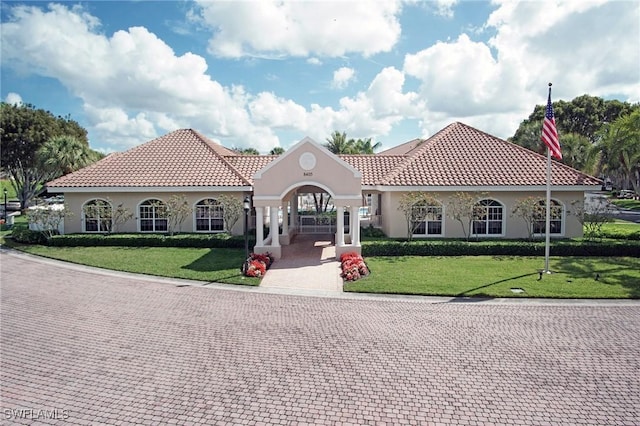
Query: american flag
{"points": [[549, 131]]}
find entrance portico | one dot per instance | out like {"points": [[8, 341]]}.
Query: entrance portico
{"points": [[305, 166]]}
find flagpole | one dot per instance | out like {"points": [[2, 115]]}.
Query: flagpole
{"points": [[547, 237], [550, 138]]}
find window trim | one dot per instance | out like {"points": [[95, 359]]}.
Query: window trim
{"points": [[100, 220], [154, 219], [195, 217], [563, 225], [426, 223], [503, 220]]}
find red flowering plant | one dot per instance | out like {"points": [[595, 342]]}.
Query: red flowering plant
{"points": [[256, 265], [353, 266]]}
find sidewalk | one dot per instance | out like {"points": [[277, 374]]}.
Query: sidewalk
{"points": [[307, 264]]}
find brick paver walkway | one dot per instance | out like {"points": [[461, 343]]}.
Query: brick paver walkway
{"points": [[102, 349], [309, 263]]}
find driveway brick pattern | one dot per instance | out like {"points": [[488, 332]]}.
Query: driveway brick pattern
{"points": [[102, 349]]}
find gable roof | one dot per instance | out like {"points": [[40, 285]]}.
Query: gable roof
{"points": [[460, 155], [457, 156], [181, 158]]}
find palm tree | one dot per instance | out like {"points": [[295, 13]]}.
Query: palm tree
{"points": [[338, 143], [278, 150], [620, 148], [62, 155], [577, 152], [363, 146]]}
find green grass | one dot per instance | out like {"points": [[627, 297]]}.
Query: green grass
{"points": [[626, 203], [573, 277], [11, 193], [211, 265]]}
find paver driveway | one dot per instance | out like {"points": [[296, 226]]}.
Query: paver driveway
{"points": [[89, 348]]}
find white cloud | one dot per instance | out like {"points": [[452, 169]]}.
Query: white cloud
{"points": [[135, 87], [131, 82], [269, 110], [342, 76], [13, 99], [495, 85], [296, 28], [445, 7]]}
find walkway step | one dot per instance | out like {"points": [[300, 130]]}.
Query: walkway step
{"points": [[308, 263]]}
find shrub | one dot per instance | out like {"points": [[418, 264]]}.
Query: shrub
{"points": [[255, 268], [221, 240], [353, 266], [493, 248], [27, 236], [256, 265]]}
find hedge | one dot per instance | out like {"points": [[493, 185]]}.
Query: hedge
{"points": [[149, 240], [605, 248]]}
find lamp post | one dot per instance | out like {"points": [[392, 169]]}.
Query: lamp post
{"points": [[5, 204], [247, 205]]}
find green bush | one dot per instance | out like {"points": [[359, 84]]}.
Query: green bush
{"points": [[621, 234], [371, 232], [499, 248], [148, 240], [27, 236]]}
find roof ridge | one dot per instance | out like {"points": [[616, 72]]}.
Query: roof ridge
{"points": [[411, 158], [208, 143]]}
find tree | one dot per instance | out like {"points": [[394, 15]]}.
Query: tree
{"points": [[415, 205], [120, 216], [593, 217], [578, 152], [62, 155], [111, 218], [246, 151], [529, 209], [464, 207], [584, 115], [338, 143], [47, 219], [176, 211], [232, 210], [364, 146], [23, 130], [620, 150], [278, 150]]}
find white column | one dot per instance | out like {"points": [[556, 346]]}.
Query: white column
{"points": [[285, 218], [275, 234], [259, 226], [355, 226], [294, 211], [340, 225]]}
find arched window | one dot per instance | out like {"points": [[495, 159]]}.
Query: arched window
{"points": [[555, 213], [209, 216], [153, 216], [488, 218], [97, 216], [432, 220]]}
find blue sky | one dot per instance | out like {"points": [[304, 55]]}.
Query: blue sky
{"points": [[263, 74]]}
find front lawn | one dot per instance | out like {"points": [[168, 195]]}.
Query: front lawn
{"points": [[495, 276], [626, 203], [211, 265]]}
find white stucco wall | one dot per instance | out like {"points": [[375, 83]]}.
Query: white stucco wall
{"points": [[394, 224], [131, 200]]}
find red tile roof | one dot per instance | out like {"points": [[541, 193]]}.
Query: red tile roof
{"points": [[180, 158], [458, 155]]}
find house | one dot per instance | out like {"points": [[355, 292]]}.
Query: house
{"points": [[459, 158]]}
